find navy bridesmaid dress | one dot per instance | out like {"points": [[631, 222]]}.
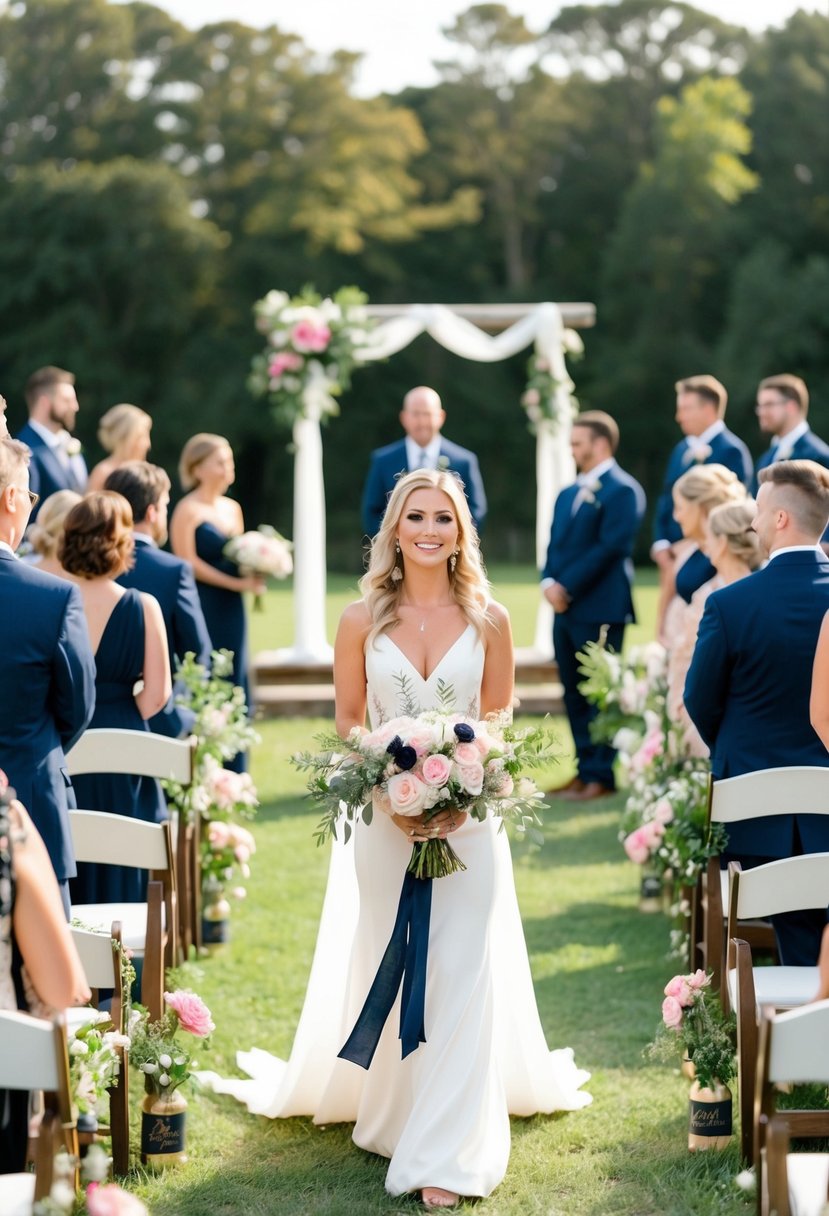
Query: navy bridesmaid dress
{"points": [[119, 663], [224, 613], [691, 575]]}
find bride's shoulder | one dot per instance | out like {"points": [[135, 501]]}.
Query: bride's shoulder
{"points": [[497, 616], [355, 620]]}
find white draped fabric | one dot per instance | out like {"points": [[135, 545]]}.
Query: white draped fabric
{"points": [[543, 327]]}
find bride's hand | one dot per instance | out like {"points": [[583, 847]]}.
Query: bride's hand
{"points": [[436, 827]]}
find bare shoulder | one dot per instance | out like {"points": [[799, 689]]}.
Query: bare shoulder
{"points": [[499, 619], [185, 509], [355, 619]]}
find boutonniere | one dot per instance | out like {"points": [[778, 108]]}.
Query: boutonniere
{"points": [[443, 463], [698, 454], [590, 491], [73, 447]]}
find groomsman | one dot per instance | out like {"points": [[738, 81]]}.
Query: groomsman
{"points": [[749, 683], [782, 406], [47, 672], [56, 462], [588, 578], [422, 418], [146, 488], [700, 412]]}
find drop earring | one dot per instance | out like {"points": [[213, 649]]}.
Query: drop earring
{"points": [[397, 571], [453, 561]]}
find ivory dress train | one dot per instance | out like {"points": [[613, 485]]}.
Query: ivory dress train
{"points": [[442, 1114]]}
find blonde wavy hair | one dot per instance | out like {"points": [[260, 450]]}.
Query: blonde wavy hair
{"points": [[733, 520], [469, 584], [709, 486], [120, 424], [195, 450], [46, 532]]}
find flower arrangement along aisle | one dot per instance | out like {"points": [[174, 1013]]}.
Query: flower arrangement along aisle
{"points": [[692, 1020], [166, 1063], [226, 849], [263, 552], [94, 1063], [102, 1198], [311, 351]]}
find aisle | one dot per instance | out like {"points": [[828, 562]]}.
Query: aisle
{"points": [[599, 968]]}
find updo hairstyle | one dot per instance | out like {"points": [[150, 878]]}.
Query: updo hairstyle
{"points": [[46, 532], [120, 425], [733, 520], [710, 485], [97, 537]]}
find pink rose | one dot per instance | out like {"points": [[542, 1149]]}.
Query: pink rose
{"points": [[218, 834], [636, 847], [285, 361], [485, 743], [407, 794], [467, 753], [531, 397], [309, 337], [421, 739], [471, 777], [110, 1200], [192, 1013], [663, 812], [436, 770], [650, 749], [652, 833], [698, 980], [680, 989], [672, 1013]]}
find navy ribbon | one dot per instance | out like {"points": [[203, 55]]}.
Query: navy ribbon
{"points": [[404, 959]]}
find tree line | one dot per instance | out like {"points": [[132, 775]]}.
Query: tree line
{"points": [[156, 180]]}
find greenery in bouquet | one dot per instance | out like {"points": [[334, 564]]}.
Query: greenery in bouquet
{"points": [[155, 1047], [541, 398], [94, 1062], [419, 766], [221, 729], [226, 850], [693, 1020], [312, 348], [624, 688]]}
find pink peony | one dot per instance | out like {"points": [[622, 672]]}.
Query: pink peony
{"points": [[110, 1200], [218, 834], [436, 770], [421, 739], [651, 747], [636, 847], [192, 1013], [698, 980], [310, 337], [467, 753], [652, 833], [285, 361], [407, 794], [471, 777], [663, 812], [485, 743], [672, 1012]]}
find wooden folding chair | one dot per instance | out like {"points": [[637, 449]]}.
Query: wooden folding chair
{"points": [[772, 791], [150, 929], [789, 885], [794, 1049], [143, 754], [102, 967], [33, 1056]]}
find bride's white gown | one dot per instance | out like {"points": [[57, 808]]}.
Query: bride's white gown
{"points": [[442, 1114]]}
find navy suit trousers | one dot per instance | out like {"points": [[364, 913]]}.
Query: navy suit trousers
{"points": [[595, 760]]}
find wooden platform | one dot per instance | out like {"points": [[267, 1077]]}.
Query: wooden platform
{"points": [[292, 690]]}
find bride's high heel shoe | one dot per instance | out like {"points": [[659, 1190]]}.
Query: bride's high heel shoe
{"points": [[437, 1197]]}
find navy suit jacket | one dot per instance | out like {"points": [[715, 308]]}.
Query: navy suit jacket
{"points": [[807, 447], [388, 463], [726, 449], [749, 684], [47, 474], [590, 552], [171, 581], [47, 674]]}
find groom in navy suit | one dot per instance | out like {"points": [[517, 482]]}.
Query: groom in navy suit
{"points": [[588, 578], [782, 407], [146, 488], [749, 683], [47, 672], [700, 412], [424, 447], [56, 462]]}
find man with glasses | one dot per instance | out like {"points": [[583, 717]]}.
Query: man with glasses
{"points": [[47, 672], [782, 406]]}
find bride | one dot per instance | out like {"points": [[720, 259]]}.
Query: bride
{"points": [[424, 636]]}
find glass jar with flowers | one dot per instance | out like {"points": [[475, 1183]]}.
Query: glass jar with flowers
{"points": [[692, 1020], [166, 1064], [226, 851]]}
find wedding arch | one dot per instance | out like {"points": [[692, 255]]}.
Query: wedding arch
{"points": [[462, 329]]}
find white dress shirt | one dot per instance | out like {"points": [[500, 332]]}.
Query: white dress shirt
{"points": [[782, 446], [422, 458]]}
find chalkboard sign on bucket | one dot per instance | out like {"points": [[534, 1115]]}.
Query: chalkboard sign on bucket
{"points": [[709, 1117], [163, 1128]]}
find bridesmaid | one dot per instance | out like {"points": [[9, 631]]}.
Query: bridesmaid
{"points": [[47, 530], [124, 432], [129, 641], [201, 525]]}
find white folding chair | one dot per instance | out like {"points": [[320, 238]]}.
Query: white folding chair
{"points": [[148, 929], [144, 754], [101, 963], [794, 1049], [791, 790], [789, 885], [33, 1056]]}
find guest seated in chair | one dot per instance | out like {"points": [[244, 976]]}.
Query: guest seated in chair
{"points": [[44, 535]]}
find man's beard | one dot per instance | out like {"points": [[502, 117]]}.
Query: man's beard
{"points": [[60, 419]]}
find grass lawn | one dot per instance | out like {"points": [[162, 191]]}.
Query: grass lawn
{"points": [[599, 967]]}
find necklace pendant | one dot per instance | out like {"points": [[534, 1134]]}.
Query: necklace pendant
{"points": [[422, 626]]}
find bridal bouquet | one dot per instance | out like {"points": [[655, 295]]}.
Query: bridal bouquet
{"points": [[263, 552], [420, 766]]}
